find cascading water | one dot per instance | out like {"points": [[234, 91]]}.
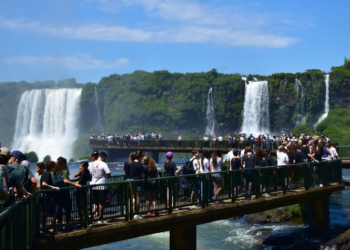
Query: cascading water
{"points": [[300, 119], [210, 129], [326, 102], [256, 118], [99, 120], [47, 122]]}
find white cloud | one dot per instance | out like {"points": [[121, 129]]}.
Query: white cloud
{"points": [[78, 62], [167, 21]]}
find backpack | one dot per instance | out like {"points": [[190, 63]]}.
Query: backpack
{"points": [[10, 186], [58, 180], [188, 168], [8, 171]]}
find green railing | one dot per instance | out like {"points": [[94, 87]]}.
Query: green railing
{"points": [[344, 152], [19, 224], [174, 192]]}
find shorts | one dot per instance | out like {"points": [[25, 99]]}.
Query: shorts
{"points": [[100, 196]]}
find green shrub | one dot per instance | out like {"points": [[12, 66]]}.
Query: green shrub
{"points": [[32, 156], [71, 160], [296, 210], [84, 157], [47, 158]]}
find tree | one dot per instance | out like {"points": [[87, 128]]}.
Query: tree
{"points": [[47, 158]]}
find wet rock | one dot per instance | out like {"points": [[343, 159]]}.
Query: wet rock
{"points": [[270, 216]]}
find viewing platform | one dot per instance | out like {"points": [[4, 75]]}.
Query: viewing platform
{"points": [[310, 184]]}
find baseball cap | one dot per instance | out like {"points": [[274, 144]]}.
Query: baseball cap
{"points": [[169, 154], [19, 155], [4, 151]]}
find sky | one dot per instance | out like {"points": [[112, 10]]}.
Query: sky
{"points": [[44, 40]]}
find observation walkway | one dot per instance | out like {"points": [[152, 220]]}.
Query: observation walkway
{"points": [[309, 184], [122, 149]]}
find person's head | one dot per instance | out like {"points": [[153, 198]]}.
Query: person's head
{"points": [[248, 149], [169, 155], [217, 153], [4, 155], [16, 157], [40, 166], [195, 153], [102, 156], [139, 155], [50, 165], [94, 156], [84, 165], [206, 154], [235, 152]]}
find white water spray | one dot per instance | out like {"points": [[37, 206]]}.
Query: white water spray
{"points": [[210, 129], [256, 118], [47, 122], [326, 103], [99, 119], [300, 119]]}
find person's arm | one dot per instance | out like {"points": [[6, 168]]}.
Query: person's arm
{"points": [[44, 184]]}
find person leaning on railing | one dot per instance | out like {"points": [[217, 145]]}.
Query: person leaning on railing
{"points": [[4, 195]]}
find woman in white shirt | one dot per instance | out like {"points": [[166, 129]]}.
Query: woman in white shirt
{"points": [[215, 166]]}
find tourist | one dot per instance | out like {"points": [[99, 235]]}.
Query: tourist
{"points": [[80, 195], [249, 161], [48, 200], [282, 157], [26, 176], [150, 185], [127, 167], [235, 165], [333, 151], [137, 172], [99, 171], [170, 170], [63, 199], [265, 175], [40, 167], [4, 194], [215, 166], [193, 181], [179, 141]]}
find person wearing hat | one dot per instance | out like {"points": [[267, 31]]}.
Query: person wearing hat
{"points": [[26, 176], [4, 157], [170, 169], [12, 180]]}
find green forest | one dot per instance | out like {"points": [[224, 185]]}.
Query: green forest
{"points": [[175, 103]]}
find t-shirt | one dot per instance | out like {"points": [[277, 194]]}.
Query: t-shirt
{"points": [[299, 157], [249, 160], [84, 177], [282, 158], [229, 156], [219, 164], [127, 170], [37, 178], [171, 169], [2, 175], [47, 178], [205, 167], [136, 170], [263, 163], [99, 171], [235, 163], [196, 164], [148, 174], [23, 172]]}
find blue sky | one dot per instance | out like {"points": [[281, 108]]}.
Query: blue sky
{"points": [[90, 39]]}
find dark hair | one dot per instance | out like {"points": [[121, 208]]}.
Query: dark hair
{"points": [[102, 154], [94, 154], [150, 163], [61, 165], [85, 164], [40, 165], [205, 154], [49, 165], [216, 154]]}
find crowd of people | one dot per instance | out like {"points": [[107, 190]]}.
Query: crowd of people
{"points": [[17, 180]]}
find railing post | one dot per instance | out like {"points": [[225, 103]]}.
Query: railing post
{"points": [[184, 238]]}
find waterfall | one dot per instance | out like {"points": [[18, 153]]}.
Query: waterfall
{"points": [[47, 122], [326, 102], [256, 118], [210, 129], [99, 120], [300, 118]]}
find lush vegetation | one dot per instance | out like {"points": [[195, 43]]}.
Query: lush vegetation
{"points": [[32, 156], [175, 103]]}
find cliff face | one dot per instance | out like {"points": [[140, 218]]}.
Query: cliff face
{"points": [[161, 101]]}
